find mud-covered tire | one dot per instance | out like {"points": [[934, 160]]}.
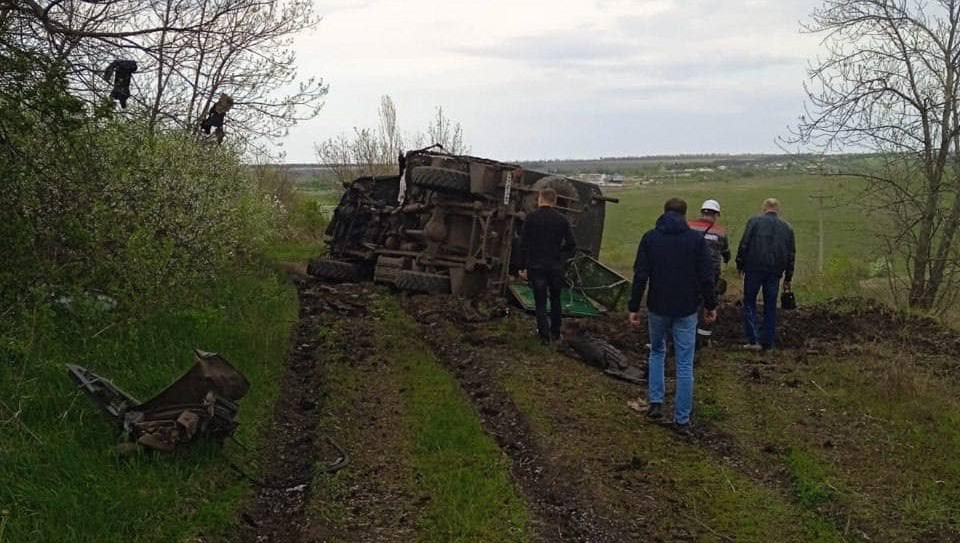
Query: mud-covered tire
{"points": [[429, 283], [333, 270], [440, 179]]}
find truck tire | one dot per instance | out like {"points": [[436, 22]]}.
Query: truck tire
{"points": [[440, 179], [431, 283], [333, 270]]}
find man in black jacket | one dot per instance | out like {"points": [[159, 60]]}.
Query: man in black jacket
{"points": [[676, 262], [546, 241], [767, 252]]}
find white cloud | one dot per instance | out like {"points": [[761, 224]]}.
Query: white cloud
{"points": [[532, 78]]}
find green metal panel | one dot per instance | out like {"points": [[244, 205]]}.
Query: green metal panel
{"points": [[574, 303]]}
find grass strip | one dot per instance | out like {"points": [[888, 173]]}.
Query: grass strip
{"points": [[458, 465]]}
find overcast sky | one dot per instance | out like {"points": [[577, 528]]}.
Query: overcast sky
{"points": [[532, 79]]}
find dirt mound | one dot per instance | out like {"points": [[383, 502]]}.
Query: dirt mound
{"points": [[821, 326], [845, 321]]}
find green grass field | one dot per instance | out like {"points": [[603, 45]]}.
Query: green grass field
{"points": [[847, 243]]}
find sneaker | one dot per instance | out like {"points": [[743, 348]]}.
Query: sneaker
{"points": [[683, 430], [752, 347], [655, 411]]}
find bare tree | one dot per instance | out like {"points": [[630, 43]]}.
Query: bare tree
{"points": [[446, 133], [375, 151], [367, 151], [888, 85], [189, 52]]}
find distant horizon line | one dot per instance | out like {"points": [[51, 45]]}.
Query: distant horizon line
{"points": [[626, 158]]}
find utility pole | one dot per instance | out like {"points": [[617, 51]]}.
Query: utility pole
{"points": [[820, 197]]}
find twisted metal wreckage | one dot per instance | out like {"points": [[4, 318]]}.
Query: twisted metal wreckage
{"points": [[450, 224], [202, 403]]}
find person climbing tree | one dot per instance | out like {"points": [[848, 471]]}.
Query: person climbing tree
{"points": [[216, 117], [121, 71]]}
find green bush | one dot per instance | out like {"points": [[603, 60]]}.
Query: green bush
{"points": [[93, 202]]}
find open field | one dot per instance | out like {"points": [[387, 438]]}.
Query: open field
{"points": [[848, 249]]}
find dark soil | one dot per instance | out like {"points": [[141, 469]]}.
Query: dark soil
{"points": [[831, 325], [375, 498], [562, 509], [289, 453]]}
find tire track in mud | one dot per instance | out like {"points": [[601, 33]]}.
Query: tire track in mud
{"points": [[289, 452], [562, 510]]}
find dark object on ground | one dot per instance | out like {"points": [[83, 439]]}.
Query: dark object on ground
{"points": [[121, 71], [601, 354], [451, 223], [217, 116], [683, 430], [655, 411], [788, 300], [200, 404]]}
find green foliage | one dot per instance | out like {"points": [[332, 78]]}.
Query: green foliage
{"points": [[91, 202]]}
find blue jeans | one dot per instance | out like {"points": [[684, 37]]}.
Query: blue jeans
{"points": [[753, 283], [684, 330]]}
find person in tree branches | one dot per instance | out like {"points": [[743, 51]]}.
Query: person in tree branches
{"points": [[546, 242], [121, 71], [675, 262], [217, 116]]}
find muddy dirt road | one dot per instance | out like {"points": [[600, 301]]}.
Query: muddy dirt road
{"points": [[802, 446]]}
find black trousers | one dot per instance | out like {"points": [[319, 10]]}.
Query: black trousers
{"points": [[544, 282]]}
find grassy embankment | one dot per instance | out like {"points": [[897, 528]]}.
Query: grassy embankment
{"points": [[848, 250], [60, 477]]}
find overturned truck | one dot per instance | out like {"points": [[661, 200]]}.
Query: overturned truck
{"points": [[450, 224]]}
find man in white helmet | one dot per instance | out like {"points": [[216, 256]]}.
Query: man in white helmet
{"points": [[716, 238]]}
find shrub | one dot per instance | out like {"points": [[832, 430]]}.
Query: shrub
{"points": [[92, 201]]}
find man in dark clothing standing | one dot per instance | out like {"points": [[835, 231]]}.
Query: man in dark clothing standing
{"points": [[676, 262], [767, 252], [546, 241]]}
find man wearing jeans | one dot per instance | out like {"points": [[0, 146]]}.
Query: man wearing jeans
{"points": [[675, 261], [767, 252]]}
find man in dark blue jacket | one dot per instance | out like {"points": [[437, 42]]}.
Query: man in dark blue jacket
{"points": [[767, 252], [675, 261]]}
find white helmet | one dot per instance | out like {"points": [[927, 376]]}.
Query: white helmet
{"points": [[710, 205]]}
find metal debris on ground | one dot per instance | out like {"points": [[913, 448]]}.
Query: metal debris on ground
{"points": [[200, 404], [599, 353]]}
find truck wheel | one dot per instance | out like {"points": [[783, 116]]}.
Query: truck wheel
{"points": [[440, 179], [430, 283], [333, 270]]}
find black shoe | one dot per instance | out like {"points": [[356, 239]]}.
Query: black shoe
{"points": [[683, 430], [655, 411]]}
